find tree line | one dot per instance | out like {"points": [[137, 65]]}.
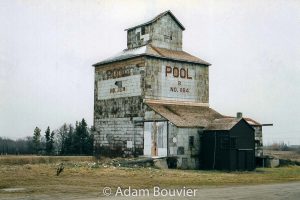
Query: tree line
{"points": [[66, 140]]}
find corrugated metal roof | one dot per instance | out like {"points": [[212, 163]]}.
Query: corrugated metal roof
{"points": [[158, 17], [149, 50], [184, 115]]}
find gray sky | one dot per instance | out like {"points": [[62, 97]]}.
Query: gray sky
{"points": [[47, 49]]}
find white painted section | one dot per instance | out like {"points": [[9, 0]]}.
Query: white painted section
{"points": [[146, 37], [147, 138], [174, 139], [162, 138], [162, 152], [161, 135], [131, 86], [129, 144], [175, 88], [138, 30], [149, 99], [135, 51]]}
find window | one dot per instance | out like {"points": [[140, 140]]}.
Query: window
{"points": [[143, 30], [168, 37], [119, 84], [191, 141], [180, 151], [138, 36]]}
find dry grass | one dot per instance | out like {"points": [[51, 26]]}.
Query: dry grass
{"points": [[32, 159], [80, 177], [292, 155]]}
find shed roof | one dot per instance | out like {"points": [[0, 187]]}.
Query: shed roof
{"points": [[223, 123], [249, 120], [185, 115], [149, 50], [252, 122], [158, 17]]}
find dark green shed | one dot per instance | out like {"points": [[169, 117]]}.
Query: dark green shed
{"points": [[228, 144]]}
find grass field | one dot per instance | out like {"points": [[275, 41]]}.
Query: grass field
{"points": [[291, 155], [38, 175]]}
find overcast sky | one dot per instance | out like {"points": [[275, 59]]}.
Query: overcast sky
{"points": [[47, 49]]}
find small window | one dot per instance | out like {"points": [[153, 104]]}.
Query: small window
{"points": [[180, 151], [143, 30], [138, 36], [191, 141], [119, 84]]}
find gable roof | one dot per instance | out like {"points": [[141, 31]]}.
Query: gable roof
{"points": [[252, 122], [222, 124], [226, 123], [185, 115], [158, 17], [195, 116], [149, 50], [249, 120]]}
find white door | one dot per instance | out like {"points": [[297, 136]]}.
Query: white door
{"points": [[147, 138], [155, 139]]}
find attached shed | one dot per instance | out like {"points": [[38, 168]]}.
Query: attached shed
{"points": [[172, 130], [228, 144]]}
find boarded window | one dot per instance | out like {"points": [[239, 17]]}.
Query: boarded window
{"points": [[138, 36], [143, 30], [191, 141], [180, 151]]}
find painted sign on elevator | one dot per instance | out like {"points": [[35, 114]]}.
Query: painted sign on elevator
{"points": [[178, 82]]}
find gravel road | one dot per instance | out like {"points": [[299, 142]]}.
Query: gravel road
{"points": [[284, 191]]}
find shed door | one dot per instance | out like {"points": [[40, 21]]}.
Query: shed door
{"points": [[241, 160], [155, 138], [245, 159]]}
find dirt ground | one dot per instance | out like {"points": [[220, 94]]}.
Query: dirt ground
{"points": [[35, 178]]}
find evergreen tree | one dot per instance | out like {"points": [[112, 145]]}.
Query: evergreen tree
{"points": [[69, 143], [51, 144], [36, 140], [47, 137], [75, 140], [82, 139], [63, 133]]}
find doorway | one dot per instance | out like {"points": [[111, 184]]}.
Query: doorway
{"points": [[155, 139]]}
